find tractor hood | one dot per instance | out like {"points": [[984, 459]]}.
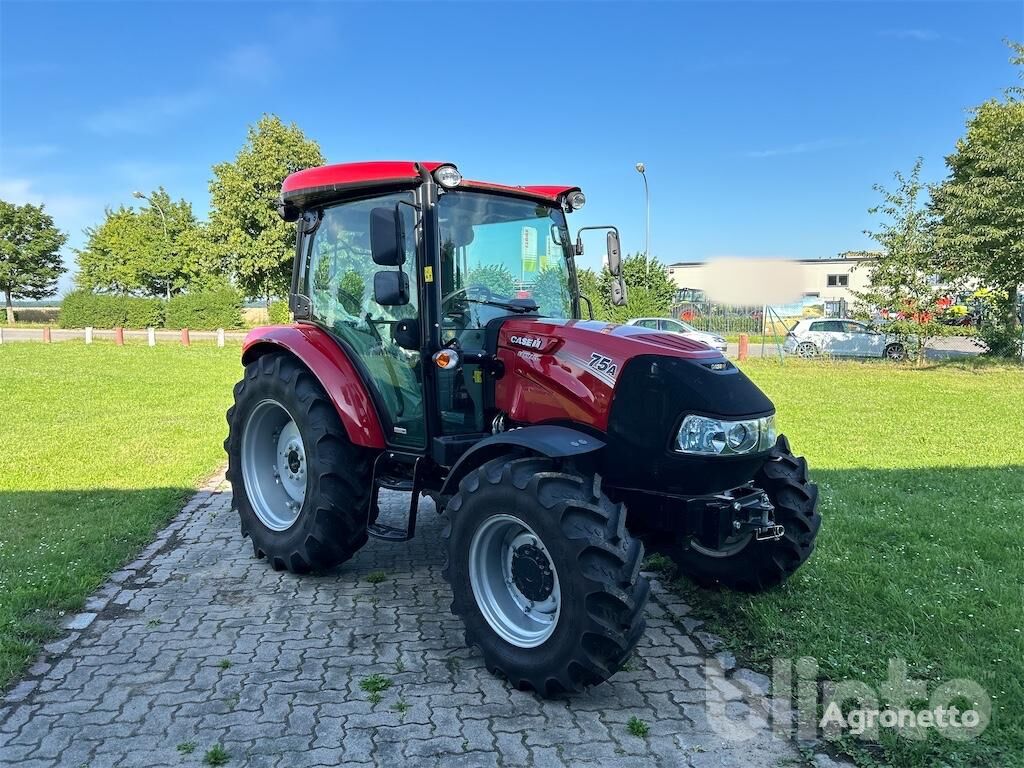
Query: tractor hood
{"points": [[573, 370]]}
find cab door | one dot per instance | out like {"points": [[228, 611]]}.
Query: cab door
{"points": [[339, 280]]}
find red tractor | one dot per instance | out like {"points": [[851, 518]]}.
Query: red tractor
{"points": [[439, 349]]}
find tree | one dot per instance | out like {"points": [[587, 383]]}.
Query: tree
{"points": [[29, 260], [159, 250], [649, 289], [979, 207], [907, 281], [258, 245]]}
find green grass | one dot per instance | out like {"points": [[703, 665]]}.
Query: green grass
{"points": [[637, 727], [216, 755], [920, 556], [101, 445]]}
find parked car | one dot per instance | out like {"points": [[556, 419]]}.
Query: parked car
{"points": [[683, 329], [841, 338]]}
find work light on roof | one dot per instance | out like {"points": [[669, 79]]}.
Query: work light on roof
{"points": [[448, 176], [576, 200]]}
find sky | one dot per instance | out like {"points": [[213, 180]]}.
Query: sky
{"points": [[763, 125]]}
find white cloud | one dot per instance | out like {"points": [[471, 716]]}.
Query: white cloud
{"points": [[801, 148], [920, 35], [245, 65], [145, 115]]}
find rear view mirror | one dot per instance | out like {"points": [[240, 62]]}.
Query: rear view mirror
{"points": [[387, 237], [391, 289], [614, 254]]}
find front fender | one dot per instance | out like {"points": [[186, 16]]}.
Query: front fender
{"points": [[543, 439], [327, 361]]}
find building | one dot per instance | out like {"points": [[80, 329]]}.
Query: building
{"points": [[756, 282]]}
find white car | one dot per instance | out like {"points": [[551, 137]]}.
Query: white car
{"points": [[683, 329], [841, 338]]}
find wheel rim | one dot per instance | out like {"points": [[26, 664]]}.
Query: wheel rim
{"points": [[514, 581], [730, 546], [895, 353], [274, 465], [806, 350]]}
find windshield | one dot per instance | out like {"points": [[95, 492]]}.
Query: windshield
{"points": [[502, 254]]}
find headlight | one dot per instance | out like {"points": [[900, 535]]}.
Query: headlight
{"points": [[713, 437], [448, 176], [576, 200]]}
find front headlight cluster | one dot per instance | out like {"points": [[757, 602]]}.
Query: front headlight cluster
{"points": [[714, 437]]}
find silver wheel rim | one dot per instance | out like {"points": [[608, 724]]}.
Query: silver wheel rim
{"points": [[274, 465], [895, 353], [730, 546], [514, 581], [806, 350]]}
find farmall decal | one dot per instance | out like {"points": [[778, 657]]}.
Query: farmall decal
{"points": [[529, 342]]}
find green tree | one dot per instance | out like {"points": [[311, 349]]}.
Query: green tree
{"points": [[29, 260], [649, 290], [979, 207], [495, 277], [158, 250], [257, 244], [590, 287], [907, 280], [551, 293]]}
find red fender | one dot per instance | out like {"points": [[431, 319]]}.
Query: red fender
{"points": [[314, 347]]}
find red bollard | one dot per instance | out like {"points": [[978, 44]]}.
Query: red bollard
{"points": [[46, 334], [744, 344], [185, 342], [119, 336]]}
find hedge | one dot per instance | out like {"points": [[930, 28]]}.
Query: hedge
{"points": [[278, 312], [82, 309], [214, 308]]}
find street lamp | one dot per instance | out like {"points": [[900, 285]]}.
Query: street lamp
{"points": [[140, 196], [642, 170]]}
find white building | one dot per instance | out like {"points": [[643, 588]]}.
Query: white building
{"points": [[774, 281]]}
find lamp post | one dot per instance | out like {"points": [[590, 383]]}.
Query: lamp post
{"points": [[140, 196], [642, 170]]}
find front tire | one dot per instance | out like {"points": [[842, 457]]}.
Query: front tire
{"points": [[300, 486], [896, 352], [748, 565], [544, 575]]}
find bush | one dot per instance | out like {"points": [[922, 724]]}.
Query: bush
{"points": [[206, 310], [278, 311], [84, 308]]}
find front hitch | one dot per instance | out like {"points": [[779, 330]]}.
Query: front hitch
{"points": [[746, 509]]}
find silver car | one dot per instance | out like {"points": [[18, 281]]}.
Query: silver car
{"points": [[841, 338], [683, 329]]}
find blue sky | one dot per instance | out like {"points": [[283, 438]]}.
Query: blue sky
{"points": [[763, 124]]}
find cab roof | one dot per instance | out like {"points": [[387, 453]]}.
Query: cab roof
{"points": [[322, 182]]}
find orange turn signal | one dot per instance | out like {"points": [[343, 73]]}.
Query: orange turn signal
{"points": [[446, 359]]}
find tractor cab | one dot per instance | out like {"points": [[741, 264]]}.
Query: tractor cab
{"points": [[408, 266]]}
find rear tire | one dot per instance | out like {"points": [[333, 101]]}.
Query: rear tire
{"points": [[321, 520], [806, 349], [581, 575], [754, 566], [896, 352]]}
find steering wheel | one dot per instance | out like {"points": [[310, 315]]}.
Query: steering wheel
{"points": [[480, 290]]}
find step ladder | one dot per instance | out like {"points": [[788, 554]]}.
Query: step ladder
{"points": [[391, 478]]}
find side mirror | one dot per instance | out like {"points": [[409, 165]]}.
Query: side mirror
{"points": [[391, 288], [618, 292], [614, 255], [387, 237], [579, 243], [406, 333]]}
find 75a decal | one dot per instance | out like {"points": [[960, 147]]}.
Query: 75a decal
{"points": [[602, 364]]}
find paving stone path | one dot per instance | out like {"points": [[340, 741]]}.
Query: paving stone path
{"points": [[198, 644]]}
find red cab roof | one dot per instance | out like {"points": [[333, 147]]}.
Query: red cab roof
{"points": [[327, 179]]}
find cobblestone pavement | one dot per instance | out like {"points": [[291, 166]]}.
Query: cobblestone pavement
{"points": [[198, 644]]}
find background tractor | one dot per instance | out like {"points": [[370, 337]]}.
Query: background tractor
{"points": [[439, 349]]}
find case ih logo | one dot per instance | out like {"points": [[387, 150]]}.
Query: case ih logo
{"points": [[526, 341]]}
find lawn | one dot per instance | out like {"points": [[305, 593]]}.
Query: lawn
{"points": [[920, 557], [101, 445]]}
